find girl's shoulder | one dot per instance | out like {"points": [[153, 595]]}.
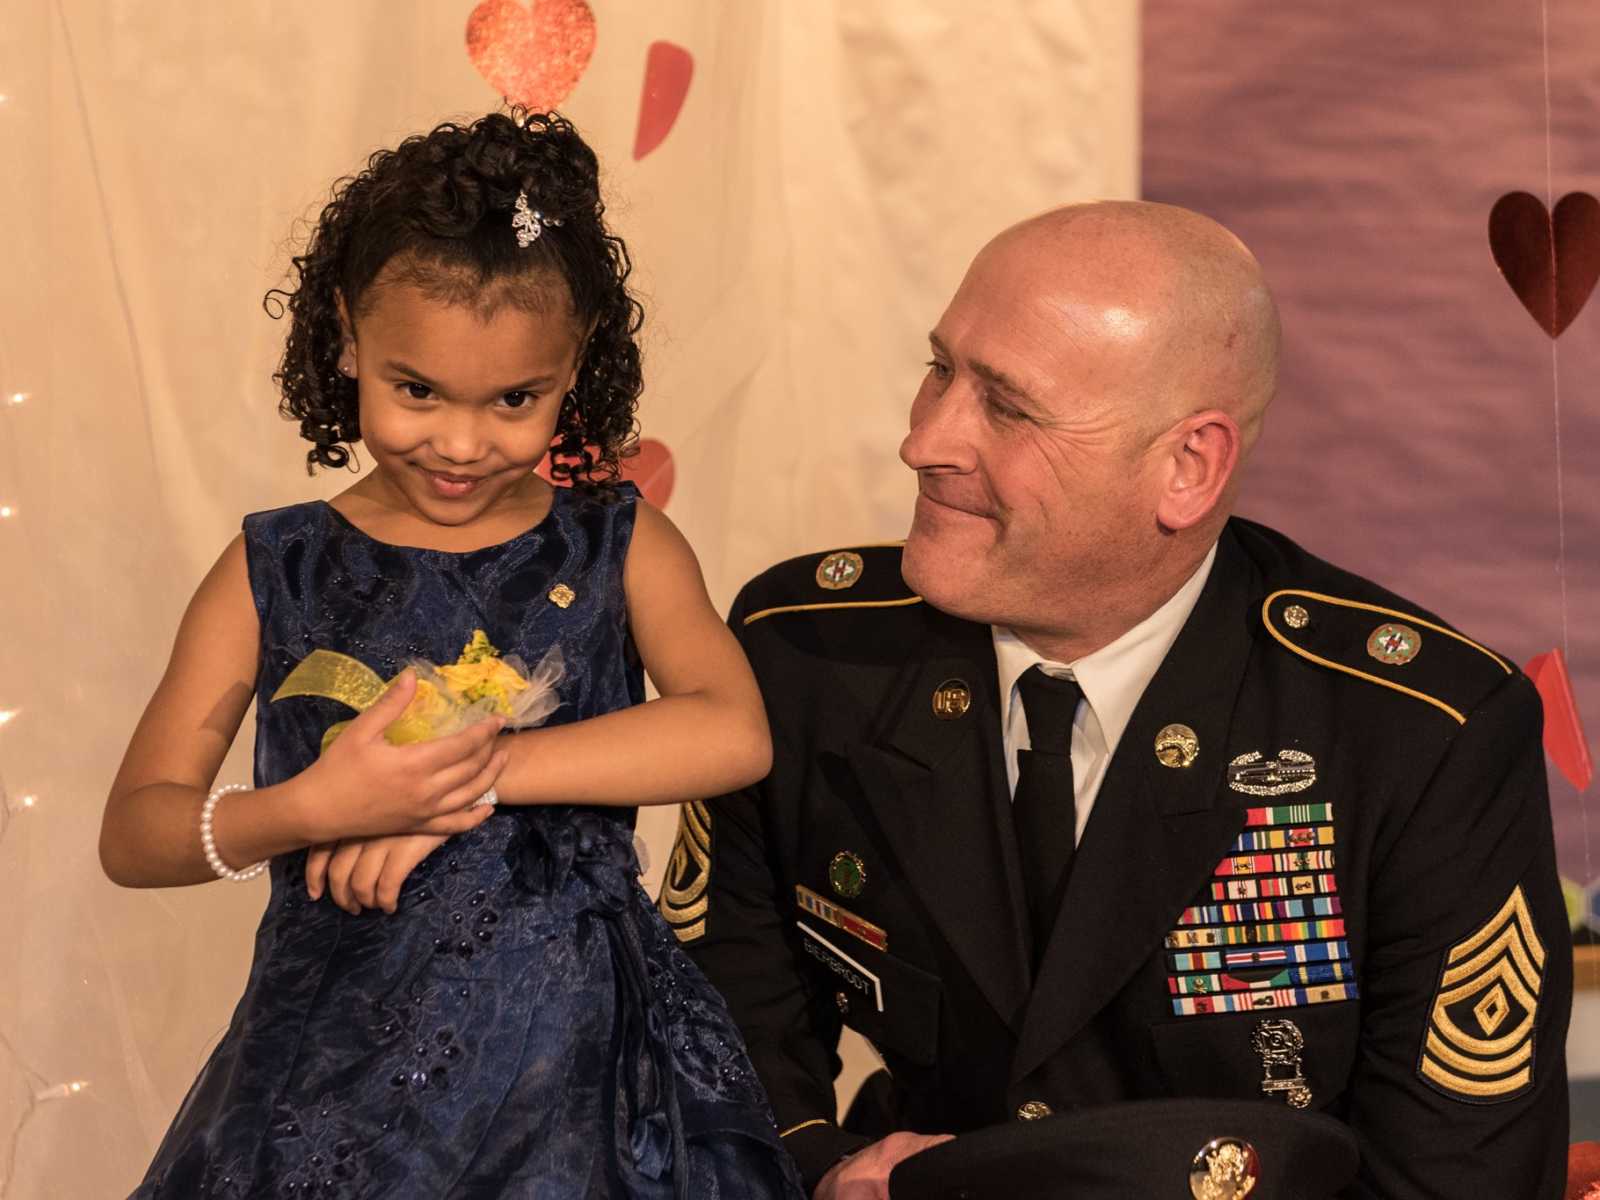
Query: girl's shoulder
{"points": [[272, 525]]}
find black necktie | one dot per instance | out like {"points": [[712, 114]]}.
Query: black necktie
{"points": [[1044, 809]]}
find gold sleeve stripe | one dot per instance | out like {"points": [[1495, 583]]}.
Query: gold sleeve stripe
{"points": [[804, 1125], [1516, 906], [791, 608], [1456, 714], [1479, 1044], [1477, 1089], [683, 892]]}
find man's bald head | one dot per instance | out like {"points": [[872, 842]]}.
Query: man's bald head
{"points": [[1180, 297], [1097, 379]]}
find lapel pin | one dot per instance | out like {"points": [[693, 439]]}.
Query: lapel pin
{"points": [[562, 596], [841, 569], [1255, 775], [952, 699], [1394, 645], [1177, 747], [1279, 1043], [847, 874]]}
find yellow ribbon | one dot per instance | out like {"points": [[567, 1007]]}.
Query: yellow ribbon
{"points": [[336, 676]]}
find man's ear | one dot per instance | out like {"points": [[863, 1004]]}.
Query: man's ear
{"points": [[1200, 455]]}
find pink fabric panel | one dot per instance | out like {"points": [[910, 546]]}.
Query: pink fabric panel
{"points": [[1358, 148]]}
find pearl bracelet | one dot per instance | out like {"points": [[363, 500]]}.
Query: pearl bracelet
{"points": [[208, 839]]}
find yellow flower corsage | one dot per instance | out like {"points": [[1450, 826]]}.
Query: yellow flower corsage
{"points": [[480, 684]]}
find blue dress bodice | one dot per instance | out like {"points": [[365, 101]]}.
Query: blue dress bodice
{"points": [[525, 1024]]}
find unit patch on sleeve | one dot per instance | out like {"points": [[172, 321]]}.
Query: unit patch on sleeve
{"points": [[1268, 931], [1479, 1043], [683, 892]]}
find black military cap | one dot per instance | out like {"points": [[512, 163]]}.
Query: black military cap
{"points": [[1206, 1149]]}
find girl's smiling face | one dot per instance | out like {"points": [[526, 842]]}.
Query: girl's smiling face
{"points": [[459, 399]]}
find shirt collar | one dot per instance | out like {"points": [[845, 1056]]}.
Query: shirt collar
{"points": [[1114, 676]]}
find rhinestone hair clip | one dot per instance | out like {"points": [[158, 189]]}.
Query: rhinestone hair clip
{"points": [[529, 222]]}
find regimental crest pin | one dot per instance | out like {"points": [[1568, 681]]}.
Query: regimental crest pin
{"points": [[1255, 775], [839, 570], [1394, 645], [847, 874]]}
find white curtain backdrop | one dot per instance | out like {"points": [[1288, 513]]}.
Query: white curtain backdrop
{"points": [[834, 166]]}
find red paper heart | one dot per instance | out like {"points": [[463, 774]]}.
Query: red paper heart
{"points": [[652, 469], [667, 71], [1550, 261], [534, 58], [1564, 740]]}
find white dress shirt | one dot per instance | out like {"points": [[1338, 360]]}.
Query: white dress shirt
{"points": [[1112, 678]]}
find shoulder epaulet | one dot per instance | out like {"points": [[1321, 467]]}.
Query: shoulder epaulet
{"points": [[852, 578], [1406, 653]]}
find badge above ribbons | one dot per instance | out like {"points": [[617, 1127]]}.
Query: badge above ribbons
{"points": [[1479, 1043]]}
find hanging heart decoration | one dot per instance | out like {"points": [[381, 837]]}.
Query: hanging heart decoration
{"points": [[1551, 260], [668, 69], [533, 57]]}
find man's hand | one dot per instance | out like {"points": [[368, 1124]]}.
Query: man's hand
{"points": [[368, 872], [865, 1174]]}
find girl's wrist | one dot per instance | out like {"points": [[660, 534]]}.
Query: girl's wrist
{"points": [[302, 822]]}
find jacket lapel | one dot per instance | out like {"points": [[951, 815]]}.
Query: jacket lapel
{"points": [[1156, 832], [937, 791]]}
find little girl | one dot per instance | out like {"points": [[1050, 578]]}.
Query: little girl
{"points": [[516, 1020]]}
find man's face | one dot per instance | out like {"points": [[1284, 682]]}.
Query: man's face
{"points": [[1036, 489]]}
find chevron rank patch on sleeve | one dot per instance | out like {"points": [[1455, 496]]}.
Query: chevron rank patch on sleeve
{"points": [[683, 893], [1479, 1042]]}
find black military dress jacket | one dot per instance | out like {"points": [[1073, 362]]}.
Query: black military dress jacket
{"points": [[1320, 869]]}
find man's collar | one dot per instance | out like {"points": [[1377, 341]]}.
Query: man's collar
{"points": [[1114, 676]]}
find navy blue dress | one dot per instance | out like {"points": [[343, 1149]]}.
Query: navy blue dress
{"points": [[526, 1024]]}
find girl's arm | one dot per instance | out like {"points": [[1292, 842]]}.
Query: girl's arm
{"points": [[707, 734], [150, 833]]}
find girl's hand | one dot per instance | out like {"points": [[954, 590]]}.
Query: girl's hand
{"points": [[365, 787], [368, 872]]}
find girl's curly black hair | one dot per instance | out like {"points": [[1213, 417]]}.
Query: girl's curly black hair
{"points": [[444, 200]]}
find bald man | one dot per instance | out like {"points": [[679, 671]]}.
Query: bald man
{"points": [[1093, 792]]}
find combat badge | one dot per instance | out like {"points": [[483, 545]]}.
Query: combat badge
{"points": [[1224, 1168], [683, 893], [841, 569], [1279, 1044], [1479, 1043], [1291, 771]]}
